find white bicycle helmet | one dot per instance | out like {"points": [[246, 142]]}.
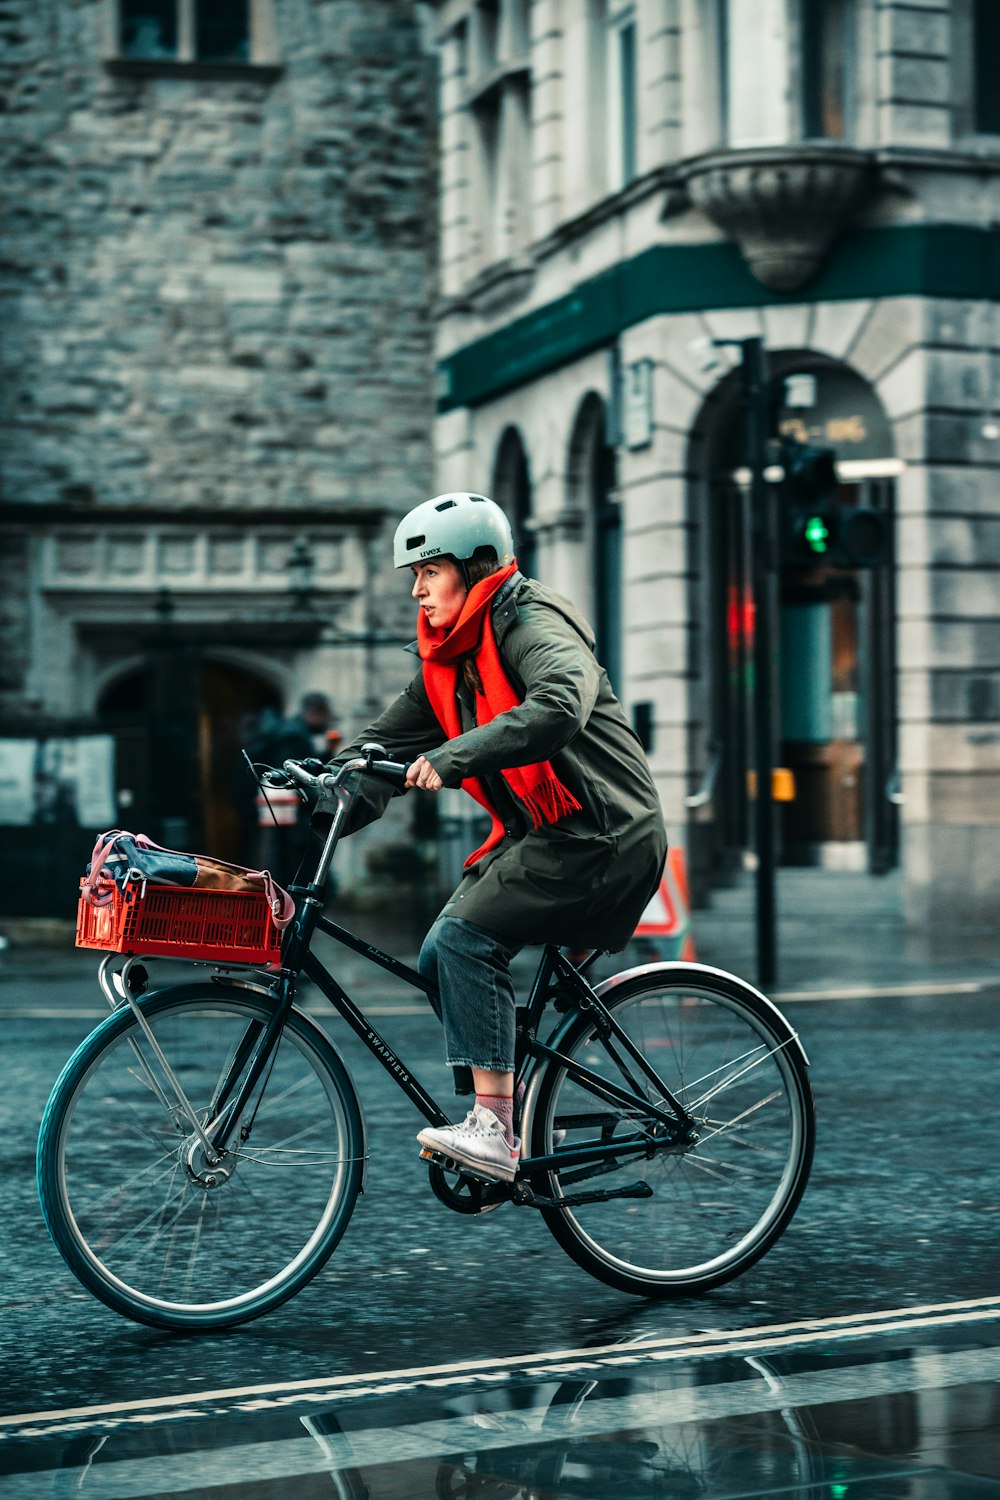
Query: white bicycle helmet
{"points": [[455, 525]]}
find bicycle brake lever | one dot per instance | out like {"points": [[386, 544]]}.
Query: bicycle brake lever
{"points": [[275, 778]]}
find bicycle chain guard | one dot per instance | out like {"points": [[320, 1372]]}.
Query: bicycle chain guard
{"points": [[468, 1195]]}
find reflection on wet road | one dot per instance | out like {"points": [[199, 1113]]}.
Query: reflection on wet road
{"points": [[897, 1404]]}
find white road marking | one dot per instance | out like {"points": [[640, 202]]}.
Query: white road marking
{"points": [[889, 991], [54, 1012], [711, 1343], [658, 1415]]}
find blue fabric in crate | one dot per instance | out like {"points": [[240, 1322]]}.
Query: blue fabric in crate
{"points": [[121, 858]]}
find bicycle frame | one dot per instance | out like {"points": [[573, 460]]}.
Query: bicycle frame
{"points": [[556, 980]]}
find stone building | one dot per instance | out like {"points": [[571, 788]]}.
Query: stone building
{"points": [[631, 189], [219, 241]]}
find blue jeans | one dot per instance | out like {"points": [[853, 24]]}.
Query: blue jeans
{"points": [[471, 968]]}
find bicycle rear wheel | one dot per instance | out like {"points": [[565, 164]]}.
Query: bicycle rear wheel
{"points": [[717, 1204], [141, 1218]]}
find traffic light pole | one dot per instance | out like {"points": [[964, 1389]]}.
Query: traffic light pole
{"points": [[755, 386]]}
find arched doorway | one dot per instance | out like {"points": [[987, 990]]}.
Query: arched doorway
{"points": [[179, 721], [836, 717], [592, 481], [512, 492]]}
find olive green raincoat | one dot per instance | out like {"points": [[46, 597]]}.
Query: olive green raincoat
{"points": [[582, 882]]}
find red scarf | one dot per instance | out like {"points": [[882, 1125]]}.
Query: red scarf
{"points": [[536, 787]]}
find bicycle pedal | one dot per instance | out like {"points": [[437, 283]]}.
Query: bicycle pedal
{"points": [[448, 1164]]}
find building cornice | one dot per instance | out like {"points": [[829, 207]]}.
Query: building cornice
{"points": [[661, 180], [506, 282], [923, 260], [503, 284], [42, 516], [201, 72], [977, 157]]}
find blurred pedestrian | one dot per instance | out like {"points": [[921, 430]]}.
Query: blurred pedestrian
{"points": [[285, 822]]}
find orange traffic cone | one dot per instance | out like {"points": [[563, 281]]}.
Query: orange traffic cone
{"points": [[667, 918]]}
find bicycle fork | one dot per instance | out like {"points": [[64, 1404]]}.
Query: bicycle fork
{"points": [[254, 1054]]}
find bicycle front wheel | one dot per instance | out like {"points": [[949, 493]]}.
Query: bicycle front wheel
{"points": [[717, 1203], [146, 1222]]}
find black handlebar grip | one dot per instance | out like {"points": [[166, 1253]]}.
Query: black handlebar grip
{"points": [[394, 772]]}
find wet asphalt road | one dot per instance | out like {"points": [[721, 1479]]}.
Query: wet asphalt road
{"points": [[903, 1209]]}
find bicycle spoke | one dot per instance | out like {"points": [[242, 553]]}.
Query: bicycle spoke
{"points": [[144, 1181], [155, 1217], [141, 1207], [718, 1201], [733, 1078], [750, 1110], [725, 1067]]}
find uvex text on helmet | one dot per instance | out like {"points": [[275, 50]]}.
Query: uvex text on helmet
{"points": [[455, 525]]}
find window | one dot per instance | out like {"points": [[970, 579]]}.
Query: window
{"points": [[515, 227], [149, 28], [486, 32], [457, 206], [499, 101], [623, 41], [512, 492], [985, 57], [517, 42], [611, 97], [486, 138], [222, 32], [975, 52], [591, 485], [206, 32], [596, 120], [719, 81], [827, 71], [704, 74], [717, 101]]}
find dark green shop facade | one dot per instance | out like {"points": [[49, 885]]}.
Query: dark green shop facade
{"points": [[839, 627]]}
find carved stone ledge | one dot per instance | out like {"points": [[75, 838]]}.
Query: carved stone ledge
{"points": [[501, 285], [783, 205]]}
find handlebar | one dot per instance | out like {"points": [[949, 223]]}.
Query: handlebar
{"points": [[312, 777], [374, 760]]}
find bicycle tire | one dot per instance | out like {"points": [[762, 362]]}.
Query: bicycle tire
{"points": [[123, 1185], [718, 1204]]}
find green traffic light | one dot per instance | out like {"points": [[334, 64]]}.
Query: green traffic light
{"points": [[817, 534]]}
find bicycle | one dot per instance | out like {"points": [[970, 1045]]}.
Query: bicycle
{"points": [[203, 1149]]}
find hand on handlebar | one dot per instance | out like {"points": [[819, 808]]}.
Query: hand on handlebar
{"points": [[316, 777], [423, 775]]}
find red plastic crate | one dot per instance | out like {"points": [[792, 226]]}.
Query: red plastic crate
{"points": [[177, 922]]}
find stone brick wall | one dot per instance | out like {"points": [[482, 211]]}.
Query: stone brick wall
{"points": [[215, 291]]}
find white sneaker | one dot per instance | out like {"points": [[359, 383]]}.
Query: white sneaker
{"points": [[480, 1142]]}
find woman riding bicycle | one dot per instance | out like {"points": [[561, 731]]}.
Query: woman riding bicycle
{"points": [[511, 704]]}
